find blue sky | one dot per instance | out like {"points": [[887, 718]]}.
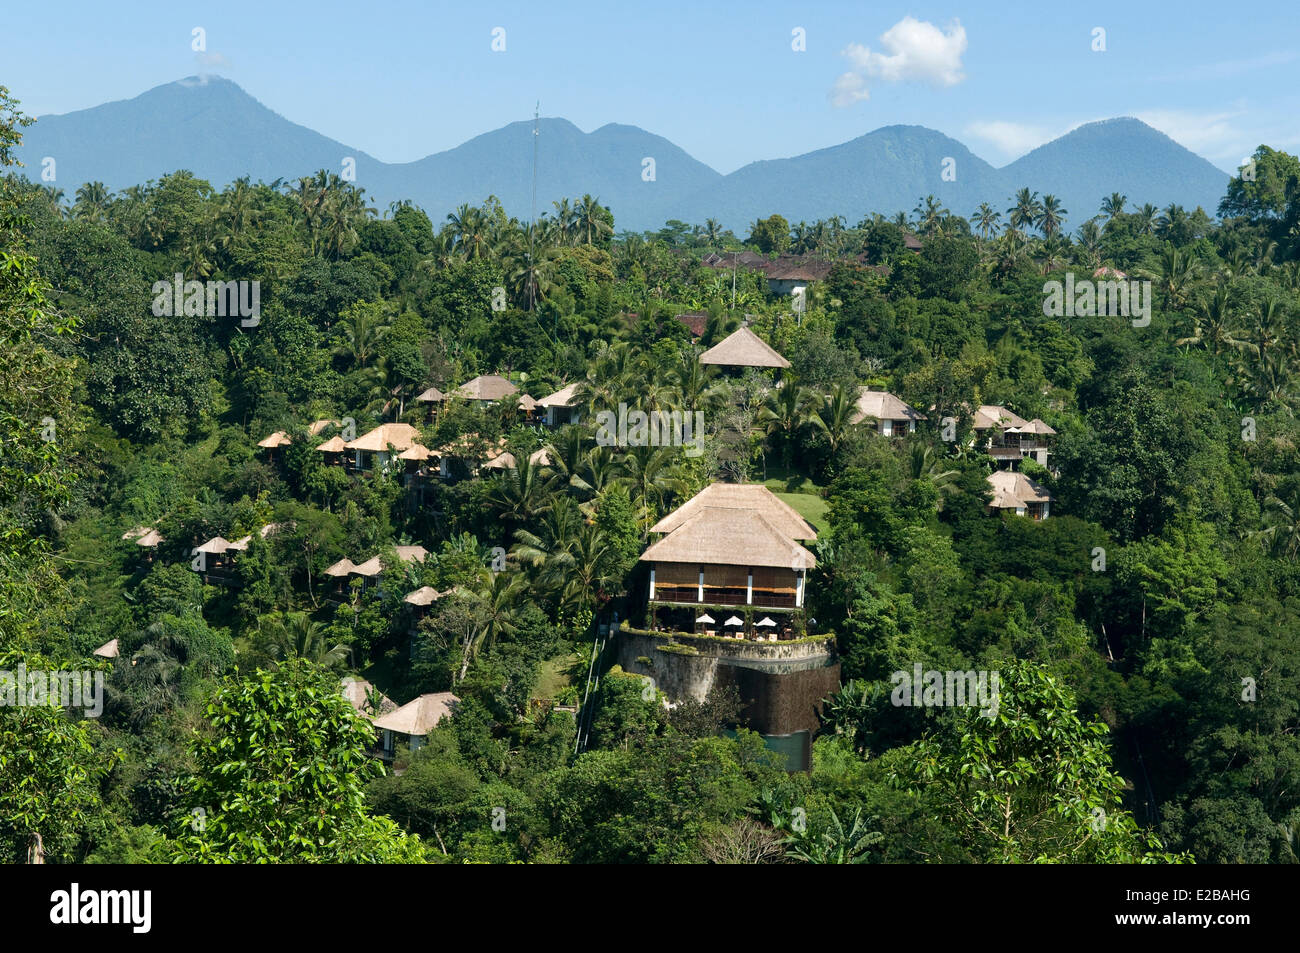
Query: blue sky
{"points": [[400, 80]]}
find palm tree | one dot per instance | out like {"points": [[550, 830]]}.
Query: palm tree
{"points": [[1171, 221], [1113, 206], [1178, 274], [361, 333], [1050, 215], [1283, 529], [987, 221], [925, 465], [469, 229], [1051, 252], [54, 197], [1090, 236], [697, 386], [1148, 216], [647, 471], [834, 416], [237, 211], [92, 202], [523, 491], [1212, 325], [295, 635], [785, 413], [930, 214], [1024, 214], [564, 221], [712, 232], [591, 219]]}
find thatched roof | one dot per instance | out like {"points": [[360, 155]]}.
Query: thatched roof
{"points": [[281, 437], [334, 444], [740, 496], [421, 716], [717, 535], [485, 387], [401, 436], [566, 396], [150, 538], [344, 567], [526, 402], [409, 554], [743, 348], [424, 596], [540, 458], [357, 692], [374, 566], [213, 547], [1012, 489], [108, 650], [370, 568], [882, 405], [432, 396], [136, 533], [502, 461], [993, 415], [1036, 426], [416, 452]]}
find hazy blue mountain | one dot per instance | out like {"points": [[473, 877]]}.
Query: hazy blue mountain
{"points": [[1118, 155], [886, 171], [219, 132], [209, 126], [606, 163]]}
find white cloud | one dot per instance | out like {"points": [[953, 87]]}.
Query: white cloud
{"points": [[914, 51]]}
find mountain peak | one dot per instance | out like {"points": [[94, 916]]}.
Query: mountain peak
{"points": [[210, 125]]}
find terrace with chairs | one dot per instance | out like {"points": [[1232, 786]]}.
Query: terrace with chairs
{"points": [[731, 547]]}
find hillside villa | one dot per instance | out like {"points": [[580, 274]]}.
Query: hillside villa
{"points": [[743, 348], [890, 416], [562, 407], [1015, 492], [725, 607], [414, 721], [1009, 438]]}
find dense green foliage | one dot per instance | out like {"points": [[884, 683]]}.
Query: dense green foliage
{"points": [[1149, 707]]}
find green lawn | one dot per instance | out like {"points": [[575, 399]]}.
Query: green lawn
{"points": [[810, 507], [553, 675]]}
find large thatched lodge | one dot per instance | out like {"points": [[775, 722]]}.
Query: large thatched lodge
{"points": [[725, 607]]}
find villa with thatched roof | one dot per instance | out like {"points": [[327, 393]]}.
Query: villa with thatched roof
{"points": [[370, 703], [562, 406], [891, 416], [725, 608], [372, 568], [486, 389], [731, 545], [416, 719], [743, 348], [372, 447], [1016, 492], [1009, 438]]}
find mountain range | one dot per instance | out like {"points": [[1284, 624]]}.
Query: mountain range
{"points": [[212, 127]]}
